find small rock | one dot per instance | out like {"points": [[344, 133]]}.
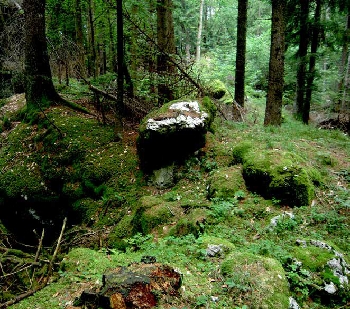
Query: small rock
{"points": [[293, 303], [301, 243], [213, 250], [337, 267], [320, 244], [214, 299], [274, 220], [330, 288]]}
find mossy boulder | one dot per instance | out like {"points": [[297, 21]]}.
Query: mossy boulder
{"points": [[225, 182], [217, 89], [191, 223], [277, 174], [152, 212], [256, 281], [172, 133], [124, 229], [322, 269]]}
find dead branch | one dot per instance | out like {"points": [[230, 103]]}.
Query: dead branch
{"points": [[20, 270], [38, 253], [112, 97], [48, 274], [20, 297]]}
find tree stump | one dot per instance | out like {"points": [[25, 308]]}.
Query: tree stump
{"points": [[138, 286]]}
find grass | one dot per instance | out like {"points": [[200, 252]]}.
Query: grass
{"points": [[176, 225]]}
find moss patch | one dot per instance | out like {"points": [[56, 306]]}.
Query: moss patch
{"points": [[256, 281], [224, 183], [280, 175], [217, 89]]}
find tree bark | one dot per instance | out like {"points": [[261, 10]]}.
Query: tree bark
{"points": [[199, 33], [166, 44], [241, 51], [343, 64], [80, 67], [38, 85], [120, 78], [92, 48], [312, 62], [302, 53], [273, 112]]}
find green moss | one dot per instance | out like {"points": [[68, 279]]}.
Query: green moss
{"points": [[209, 107], [85, 209], [255, 280], [279, 175], [152, 213], [217, 88], [191, 223], [291, 185], [240, 151], [313, 258], [257, 170], [206, 240], [124, 228], [225, 182]]}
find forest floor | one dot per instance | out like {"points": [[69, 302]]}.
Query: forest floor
{"points": [[240, 225]]}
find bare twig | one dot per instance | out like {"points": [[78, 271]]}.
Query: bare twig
{"points": [[20, 270], [49, 273], [38, 254], [46, 280]]}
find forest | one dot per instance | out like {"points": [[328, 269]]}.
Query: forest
{"points": [[239, 200]]}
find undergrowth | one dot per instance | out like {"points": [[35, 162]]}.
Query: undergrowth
{"points": [[106, 186]]}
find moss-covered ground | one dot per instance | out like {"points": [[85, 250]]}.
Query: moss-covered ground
{"points": [[100, 178]]}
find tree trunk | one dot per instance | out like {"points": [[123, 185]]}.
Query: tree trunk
{"points": [[312, 62], [166, 44], [80, 67], [343, 62], [38, 85], [120, 60], [135, 47], [345, 105], [302, 53], [273, 112], [92, 48], [199, 33], [241, 51], [113, 56]]}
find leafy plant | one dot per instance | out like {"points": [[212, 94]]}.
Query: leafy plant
{"points": [[221, 209]]}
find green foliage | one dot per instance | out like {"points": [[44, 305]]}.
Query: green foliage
{"points": [[221, 209], [5, 124]]}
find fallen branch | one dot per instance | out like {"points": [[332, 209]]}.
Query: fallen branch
{"points": [[46, 280], [49, 272], [38, 253]]}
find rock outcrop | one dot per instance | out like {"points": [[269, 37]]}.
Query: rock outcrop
{"points": [[171, 134]]}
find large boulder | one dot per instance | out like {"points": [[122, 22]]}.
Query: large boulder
{"points": [[172, 133], [276, 174]]}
